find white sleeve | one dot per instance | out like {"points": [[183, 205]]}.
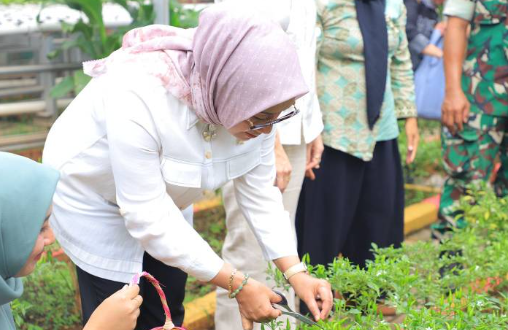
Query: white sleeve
{"points": [[261, 204], [314, 118], [460, 8], [150, 214]]}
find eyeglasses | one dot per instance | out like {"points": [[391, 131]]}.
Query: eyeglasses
{"points": [[276, 121]]}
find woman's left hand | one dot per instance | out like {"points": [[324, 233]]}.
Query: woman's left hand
{"points": [[314, 152], [316, 293], [283, 168], [412, 139]]}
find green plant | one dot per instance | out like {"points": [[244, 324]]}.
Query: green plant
{"points": [[415, 196], [93, 38], [181, 16], [48, 298], [19, 311], [211, 225], [433, 288], [428, 157]]}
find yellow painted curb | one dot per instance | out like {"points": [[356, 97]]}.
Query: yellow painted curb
{"points": [[416, 187], [207, 204], [419, 216], [199, 313]]}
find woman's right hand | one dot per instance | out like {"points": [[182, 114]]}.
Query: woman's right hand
{"points": [[118, 312], [455, 110], [255, 303], [433, 50], [441, 26]]}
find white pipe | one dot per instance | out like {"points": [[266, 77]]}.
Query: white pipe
{"points": [[26, 107]]}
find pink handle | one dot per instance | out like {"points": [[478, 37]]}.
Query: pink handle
{"points": [[169, 323]]}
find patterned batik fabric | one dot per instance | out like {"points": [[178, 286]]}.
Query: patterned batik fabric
{"points": [[341, 78], [469, 157]]}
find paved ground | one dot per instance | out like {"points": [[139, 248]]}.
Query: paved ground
{"points": [[421, 235]]}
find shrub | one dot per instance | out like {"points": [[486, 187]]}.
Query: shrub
{"points": [[433, 288], [48, 298]]}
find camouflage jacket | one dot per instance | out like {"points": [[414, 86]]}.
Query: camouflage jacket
{"points": [[485, 77]]}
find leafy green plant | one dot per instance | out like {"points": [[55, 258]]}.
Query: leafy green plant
{"points": [[211, 225], [428, 158], [415, 196], [181, 16], [19, 311], [93, 38], [48, 298], [432, 287]]}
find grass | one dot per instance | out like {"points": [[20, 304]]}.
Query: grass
{"points": [[17, 126], [415, 196], [211, 225]]}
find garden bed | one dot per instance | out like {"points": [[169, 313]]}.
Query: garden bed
{"points": [[200, 299], [430, 286], [209, 221]]}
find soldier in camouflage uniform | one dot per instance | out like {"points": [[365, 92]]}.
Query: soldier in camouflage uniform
{"points": [[475, 110]]}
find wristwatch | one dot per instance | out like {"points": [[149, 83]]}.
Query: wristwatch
{"points": [[295, 269]]}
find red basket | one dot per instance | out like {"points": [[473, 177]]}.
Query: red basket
{"points": [[169, 323]]}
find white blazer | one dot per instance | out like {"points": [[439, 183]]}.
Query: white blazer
{"points": [[131, 157]]}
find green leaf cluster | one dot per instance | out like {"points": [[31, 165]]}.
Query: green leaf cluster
{"points": [[182, 16], [433, 287], [93, 38], [48, 298], [428, 157]]}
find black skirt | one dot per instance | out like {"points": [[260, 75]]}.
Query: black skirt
{"points": [[352, 204], [94, 290]]}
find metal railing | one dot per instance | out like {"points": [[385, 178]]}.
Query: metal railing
{"points": [[35, 81], [47, 106]]}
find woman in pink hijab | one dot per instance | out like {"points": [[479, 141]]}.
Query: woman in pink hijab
{"points": [[171, 114]]}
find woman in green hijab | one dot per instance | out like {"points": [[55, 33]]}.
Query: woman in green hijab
{"points": [[26, 192]]}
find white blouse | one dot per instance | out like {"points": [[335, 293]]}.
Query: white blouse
{"points": [[131, 157], [308, 124]]}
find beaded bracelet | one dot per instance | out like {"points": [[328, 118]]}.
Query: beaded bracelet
{"points": [[237, 291], [230, 284]]}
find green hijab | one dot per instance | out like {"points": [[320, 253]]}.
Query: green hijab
{"points": [[26, 192]]}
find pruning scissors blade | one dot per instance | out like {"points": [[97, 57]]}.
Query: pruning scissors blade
{"points": [[289, 312], [300, 318]]}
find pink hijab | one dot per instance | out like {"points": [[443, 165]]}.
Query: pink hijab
{"points": [[234, 65]]}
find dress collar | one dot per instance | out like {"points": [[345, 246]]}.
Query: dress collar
{"points": [[192, 118]]}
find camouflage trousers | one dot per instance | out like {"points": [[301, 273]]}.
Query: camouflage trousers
{"points": [[469, 156]]}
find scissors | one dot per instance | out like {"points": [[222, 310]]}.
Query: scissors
{"points": [[289, 312]]}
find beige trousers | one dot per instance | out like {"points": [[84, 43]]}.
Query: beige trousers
{"points": [[241, 248]]}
